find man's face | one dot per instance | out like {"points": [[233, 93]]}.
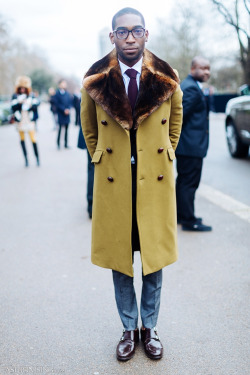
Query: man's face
{"points": [[129, 50], [63, 85], [201, 71]]}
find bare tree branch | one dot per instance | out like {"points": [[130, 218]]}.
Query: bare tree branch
{"points": [[228, 17], [246, 6], [235, 22]]}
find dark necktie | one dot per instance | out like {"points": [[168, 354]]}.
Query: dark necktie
{"points": [[132, 87]]}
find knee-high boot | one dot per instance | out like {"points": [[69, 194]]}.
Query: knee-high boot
{"points": [[36, 153], [25, 153]]}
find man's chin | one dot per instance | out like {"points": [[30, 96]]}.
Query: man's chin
{"points": [[132, 57]]}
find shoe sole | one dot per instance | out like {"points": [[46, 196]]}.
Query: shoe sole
{"points": [[154, 357], [197, 230], [124, 359]]}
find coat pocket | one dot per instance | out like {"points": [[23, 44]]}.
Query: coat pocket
{"points": [[171, 153], [97, 157]]}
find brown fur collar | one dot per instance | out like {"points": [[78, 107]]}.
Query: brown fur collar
{"points": [[104, 84]]}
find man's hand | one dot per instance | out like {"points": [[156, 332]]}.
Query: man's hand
{"points": [[66, 111]]}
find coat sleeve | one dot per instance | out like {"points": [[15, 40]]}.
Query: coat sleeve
{"points": [[15, 105], [89, 122], [175, 121]]}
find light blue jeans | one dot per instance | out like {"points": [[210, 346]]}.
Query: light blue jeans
{"points": [[126, 299]]}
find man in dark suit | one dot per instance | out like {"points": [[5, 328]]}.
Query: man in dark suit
{"points": [[193, 145], [63, 103]]}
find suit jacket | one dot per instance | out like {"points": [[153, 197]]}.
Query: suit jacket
{"points": [[195, 129], [62, 102]]}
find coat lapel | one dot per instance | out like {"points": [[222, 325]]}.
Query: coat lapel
{"points": [[104, 84]]}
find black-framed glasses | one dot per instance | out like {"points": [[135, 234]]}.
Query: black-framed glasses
{"points": [[137, 32]]}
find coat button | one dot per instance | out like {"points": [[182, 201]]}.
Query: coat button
{"points": [[104, 122], [160, 150], [110, 179], [163, 121], [160, 177], [109, 150]]}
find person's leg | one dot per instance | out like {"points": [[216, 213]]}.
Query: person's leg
{"points": [[66, 136], [187, 182], [128, 311], [22, 140], [54, 114], [150, 298], [90, 184], [126, 300], [59, 135], [32, 135], [150, 305]]}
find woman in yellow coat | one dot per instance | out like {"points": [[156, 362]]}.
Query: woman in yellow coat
{"points": [[111, 128]]}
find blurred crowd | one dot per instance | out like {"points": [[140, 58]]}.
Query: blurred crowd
{"points": [[25, 104]]}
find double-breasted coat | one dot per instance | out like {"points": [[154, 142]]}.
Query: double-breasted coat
{"points": [[107, 118]]}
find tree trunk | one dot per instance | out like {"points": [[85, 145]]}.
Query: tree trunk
{"points": [[246, 65]]}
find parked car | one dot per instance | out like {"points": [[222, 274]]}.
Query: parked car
{"points": [[238, 126], [5, 112]]}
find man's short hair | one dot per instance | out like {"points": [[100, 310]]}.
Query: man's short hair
{"points": [[124, 11], [61, 80], [196, 61]]}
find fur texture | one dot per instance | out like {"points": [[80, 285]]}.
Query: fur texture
{"points": [[23, 81], [104, 84]]}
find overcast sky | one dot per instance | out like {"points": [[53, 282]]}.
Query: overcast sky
{"points": [[67, 30]]}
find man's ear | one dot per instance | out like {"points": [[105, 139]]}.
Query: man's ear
{"points": [[111, 37], [146, 35]]}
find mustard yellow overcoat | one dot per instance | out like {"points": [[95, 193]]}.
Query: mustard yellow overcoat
{"points": [[106, 118]]}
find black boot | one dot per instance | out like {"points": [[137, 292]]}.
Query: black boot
{"points": [[25, 153], [36, 153]]}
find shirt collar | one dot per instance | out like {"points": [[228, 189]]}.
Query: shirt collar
{"points": [[137, 66], [199, 84]]}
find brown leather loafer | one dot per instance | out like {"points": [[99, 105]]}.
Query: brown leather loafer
{"points": [[126, 347], [152, 344]]}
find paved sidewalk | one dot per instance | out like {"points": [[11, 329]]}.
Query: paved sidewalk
{"points": [[57, 311]]}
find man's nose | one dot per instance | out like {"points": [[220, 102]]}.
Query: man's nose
{"points": [[130, 38]]}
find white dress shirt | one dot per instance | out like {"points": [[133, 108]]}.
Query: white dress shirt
{"points": [[126, 78], [199, 84]]}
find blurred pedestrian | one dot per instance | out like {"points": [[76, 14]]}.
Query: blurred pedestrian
{"points": [[76, 105], [24, 107], [90, 172], [131, 110], [52, 93], [63, 103], [193, 144]]}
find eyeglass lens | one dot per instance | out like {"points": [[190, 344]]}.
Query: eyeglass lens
{"points": [[123, 33]]}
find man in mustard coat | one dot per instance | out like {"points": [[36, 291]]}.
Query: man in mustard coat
{"points": [[131, 115]]}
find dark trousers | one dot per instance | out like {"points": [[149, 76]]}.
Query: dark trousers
{"points": [[65, 134], [91, 169], [135, 233], [187, 182]]}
